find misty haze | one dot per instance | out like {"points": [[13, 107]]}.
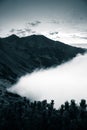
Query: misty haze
{"points": [[63, 83]]}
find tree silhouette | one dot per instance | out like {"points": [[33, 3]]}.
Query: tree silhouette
{"points": [[18, 113]]}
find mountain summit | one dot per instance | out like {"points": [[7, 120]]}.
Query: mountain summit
{"points": [[23, 55]]}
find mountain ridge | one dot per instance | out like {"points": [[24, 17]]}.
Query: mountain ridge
{"points": [[23, 55]]}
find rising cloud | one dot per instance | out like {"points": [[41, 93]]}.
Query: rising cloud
{"points": [[12, 30], [33, 24], [21, 32], [65, 82], [53, 33], [28, 30]]}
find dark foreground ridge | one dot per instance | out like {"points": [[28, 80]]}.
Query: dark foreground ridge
{"points": [[19, 56], [25, 115]]}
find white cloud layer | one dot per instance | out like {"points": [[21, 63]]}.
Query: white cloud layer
{"points": [[65, 82]]}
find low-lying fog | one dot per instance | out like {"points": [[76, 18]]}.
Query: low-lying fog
{"points": [[65, 82]]}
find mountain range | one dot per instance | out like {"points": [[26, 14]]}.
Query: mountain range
{"points": [[19, 56]]}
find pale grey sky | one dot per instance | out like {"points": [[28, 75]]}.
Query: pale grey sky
{"points": [[64, 20]]}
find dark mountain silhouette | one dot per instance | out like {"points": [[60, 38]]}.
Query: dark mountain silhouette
{"points": [[21, 55]]}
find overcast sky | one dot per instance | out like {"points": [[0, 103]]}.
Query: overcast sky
{"points": [[64, 20]]}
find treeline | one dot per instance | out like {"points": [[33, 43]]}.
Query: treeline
{"points": [[22, 114]]}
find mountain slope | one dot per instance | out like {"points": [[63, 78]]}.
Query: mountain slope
{"points": [[21, 55]]}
